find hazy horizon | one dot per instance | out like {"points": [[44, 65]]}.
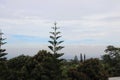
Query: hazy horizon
{"points": [[91, 51]]}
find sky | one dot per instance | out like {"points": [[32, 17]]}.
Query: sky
{"points": [[87, 26]]}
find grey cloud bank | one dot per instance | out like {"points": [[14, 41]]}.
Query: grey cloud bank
{"points": [[69, 51]]}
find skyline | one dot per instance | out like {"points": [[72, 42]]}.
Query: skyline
{"points": [[84, 24]]}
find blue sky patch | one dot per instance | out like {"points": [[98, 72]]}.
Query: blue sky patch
{"points": [[27, 39]]}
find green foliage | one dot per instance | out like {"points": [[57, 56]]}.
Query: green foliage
{"points": [[3, 65], [2, 54], [112, 60], [54, 40], [94, 69], [17, 62], [42, 66], [3, 70], [14, 68], [55, 47], [49, 66], [75, 60], [90, 69], [81, 58]]}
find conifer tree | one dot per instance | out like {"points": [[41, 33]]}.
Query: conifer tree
{"points": [[55, 44], [84, 57], [81, 58], [3, 66], [76, 59], [2, 51], [55, 47]]}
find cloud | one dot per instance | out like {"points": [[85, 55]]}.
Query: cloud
{"points": [[63, 9], [83, 22], [96, 28]]}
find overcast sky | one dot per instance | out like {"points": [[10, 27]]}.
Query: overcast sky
{"points": [[87, 26]]}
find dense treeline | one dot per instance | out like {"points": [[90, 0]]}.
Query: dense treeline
{"points": [[111, 60], [50, 66], [44, 66]]}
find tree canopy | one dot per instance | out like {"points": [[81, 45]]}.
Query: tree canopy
{"points": [[112, 60]]}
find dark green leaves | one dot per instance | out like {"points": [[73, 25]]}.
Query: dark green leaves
{"points": [[51, 48], [58, 37], [55, 44], [52, 37], [2, 43], [59, 48], [51, 42], [2, 54], [2, 50], [112, 60], [55, 33], [1, 39], [60, 42]]}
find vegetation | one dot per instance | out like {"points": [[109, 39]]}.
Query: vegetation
{"points": [[112, 60], [91, 69], [49, 66], [55, 47], [55, 44], [2, 54], [3, 67]]}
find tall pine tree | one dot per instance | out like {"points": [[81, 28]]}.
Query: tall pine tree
{"points": [[3, 66], [55, 47], [81, 57], [2, 51], [55, 44]]}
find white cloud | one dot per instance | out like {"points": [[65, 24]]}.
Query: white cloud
{"points": [[80, 20], [91, 28]]}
